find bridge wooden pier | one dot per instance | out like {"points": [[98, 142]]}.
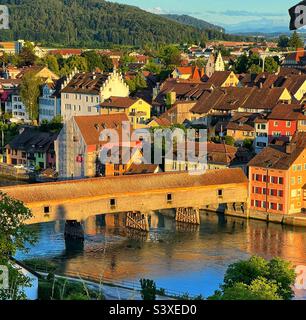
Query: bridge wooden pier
{"points": [[135, 195]]}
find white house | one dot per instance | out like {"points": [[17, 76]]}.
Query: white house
{"points": [[83, 93]]}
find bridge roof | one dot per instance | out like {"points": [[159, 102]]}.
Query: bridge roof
{"points": [[112, 186]]}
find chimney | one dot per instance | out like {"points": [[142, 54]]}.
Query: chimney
{"points": [[290, 147]]}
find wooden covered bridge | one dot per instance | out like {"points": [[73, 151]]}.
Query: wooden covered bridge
{"points": [[136, 195]]}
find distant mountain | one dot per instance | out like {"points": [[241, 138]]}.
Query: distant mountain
{"points": [[193, 22], [264, 26], [97, 23]]}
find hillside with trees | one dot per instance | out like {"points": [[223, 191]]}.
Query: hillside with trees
{"points": [[193, 22], [95, 24]]}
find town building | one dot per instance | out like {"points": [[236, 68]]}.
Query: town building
{"points": [[188, 73], [32, 148], [210, 65], [277, 177], [295, 60], [241, 127], [137, 110], [83, 93], [223, 79], [261, 133], [50, 100], [15, 105], [284, 121], [218, 156], [219, 64], [78, 147]]}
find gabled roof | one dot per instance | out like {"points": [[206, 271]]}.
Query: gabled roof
{"points": [[278, 157], [88, 83], [33, 140], [118, 102], [288, 112], [218, 78], [225, 99], [91, 126], [142, 169]]}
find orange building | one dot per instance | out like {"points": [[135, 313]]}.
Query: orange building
{"points": [[277, 178]]}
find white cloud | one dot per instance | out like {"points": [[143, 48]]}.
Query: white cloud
{"points": [[156, 10]]}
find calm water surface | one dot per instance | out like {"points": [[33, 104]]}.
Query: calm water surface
{"points": [[181, 259]]}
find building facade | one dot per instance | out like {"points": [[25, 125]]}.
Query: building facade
{"points": [[84, 92], [277, 177]]}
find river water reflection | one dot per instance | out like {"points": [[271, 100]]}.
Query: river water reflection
{"points": [[178, 258]]}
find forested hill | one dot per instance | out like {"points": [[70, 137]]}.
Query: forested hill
{"points": [[193, 22], [94, 23]]}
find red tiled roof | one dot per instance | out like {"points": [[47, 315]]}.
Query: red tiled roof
{"points": [[91, 126], [118, 102], [288, 112], [276, 157], [64, 52]]}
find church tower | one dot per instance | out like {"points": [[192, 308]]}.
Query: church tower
{"points": [[219, 64]]}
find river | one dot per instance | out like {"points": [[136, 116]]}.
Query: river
{"points": [[180, 259]]}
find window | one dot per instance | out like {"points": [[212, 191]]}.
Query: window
{"points": [[46, 210], [280, 207], [275, 123], [299, 180], [220, 193], [169, 197], [288, 124], [293, 180], [258, 204], [112, 203], [281, 180]]}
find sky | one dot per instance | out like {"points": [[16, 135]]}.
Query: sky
{"points": [[223, 12]]}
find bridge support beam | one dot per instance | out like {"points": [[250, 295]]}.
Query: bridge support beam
{"points": [[188, 215], [138, 221], [74, 230]]}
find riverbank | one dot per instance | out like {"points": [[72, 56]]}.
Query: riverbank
{"points": [[296, 220], [109, 291]]}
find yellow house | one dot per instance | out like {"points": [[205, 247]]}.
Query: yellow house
{"points": [[40, 72], [296, 85], [137, 110], [224, 79]]}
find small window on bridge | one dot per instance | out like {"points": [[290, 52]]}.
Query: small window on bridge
{"points": [[169, 197], [220, 193], [46, 210], [113, 203]]}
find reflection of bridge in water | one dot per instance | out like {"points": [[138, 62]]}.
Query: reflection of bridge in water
{"points": [[137, 196], [111, 251]]}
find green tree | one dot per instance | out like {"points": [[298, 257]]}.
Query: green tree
{"points": [[295, 41], [283, 273], [271, 65], [148, 289], [229, 140], [13, 236], [95, 60], [52, 63], [153, 68], [170, 55], [242, 64], [27, 56], [283, 42], [29, 92], [259, 289], [276, 271]]}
